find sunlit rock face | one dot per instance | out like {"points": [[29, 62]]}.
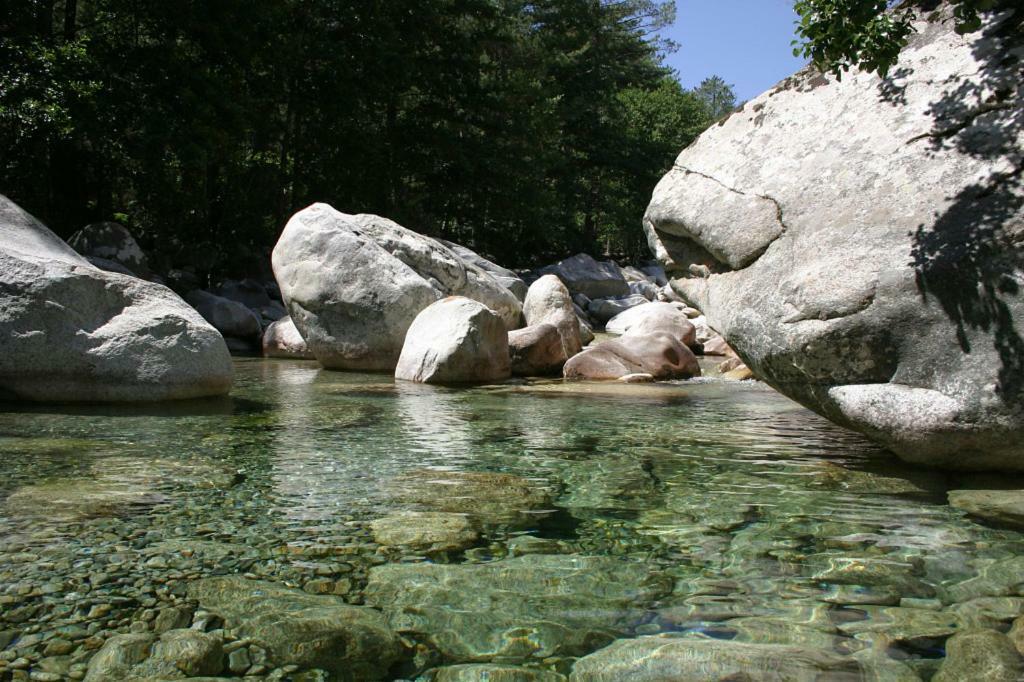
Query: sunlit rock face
{"points": [[859, 243], [72, 332], [353, 284]]}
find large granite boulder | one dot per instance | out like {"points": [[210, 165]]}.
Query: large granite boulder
{"points": [[73, 332], [111, 243], [455, 340], [354, 283], [582, 274], [859, 242], [507, 278], [548, 302], [604, 309], [283, 340], [658, 354]]}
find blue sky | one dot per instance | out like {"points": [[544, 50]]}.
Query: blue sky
{"points": [[746, 42]]}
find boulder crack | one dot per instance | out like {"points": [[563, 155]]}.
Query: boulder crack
{"points": [[779, 214]]}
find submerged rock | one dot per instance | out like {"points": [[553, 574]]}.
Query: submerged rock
{"points": [[455, 340], [525, 608], [1004, 507], [659, 354], [980, 655], [426, 531], [176, 654], [865, 240], [283, 340], [660, 659], [484, 672], [353, 285], [73, 332], [488, 497], [310, 631]]}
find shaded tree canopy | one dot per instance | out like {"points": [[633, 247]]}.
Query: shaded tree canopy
{"points": [[526, 130]]}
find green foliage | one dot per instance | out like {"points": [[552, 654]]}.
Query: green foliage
{"points": [[717, 96], [523, 129], [837, 35]]}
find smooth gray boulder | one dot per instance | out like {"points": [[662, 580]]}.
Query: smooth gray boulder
{"points": [[582, 274], [548, 302], [654, 317], [604, 309], [283, 340], [453, 341], [860, 243], [110, 242], [507, 278], [73, 332], [248, 292], [230, 318], [353, 284], [516, 610]]}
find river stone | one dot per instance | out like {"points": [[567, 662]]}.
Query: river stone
{"points": [[488, 497], [536, 350], [519, 609], [645, 289], [296, 628], [455, 340], [584, 275], [504, 276], [282, 340], [353, 284], [248, 292], [998, 579], [177, 654], [548, 301], [604, 309], [659, 354], [110, 241], [484, 672], [665, 659], [980, 655], [426, 531], [1004, 507], [868, 240], [921, 629], [230, 318], [654, 317], [73, 332]]}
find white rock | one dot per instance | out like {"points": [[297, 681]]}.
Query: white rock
{"points": [[455, 340], [354, 283], [71, 331], [283, 340]]}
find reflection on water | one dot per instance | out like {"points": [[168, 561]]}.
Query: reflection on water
{"points": [[707, 509]]}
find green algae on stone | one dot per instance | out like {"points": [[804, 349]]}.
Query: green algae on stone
{"points": [[1003, 507], [489, 672], [426, 531]]}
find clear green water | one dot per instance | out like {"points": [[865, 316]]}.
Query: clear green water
{"points": [[752, 518]]}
